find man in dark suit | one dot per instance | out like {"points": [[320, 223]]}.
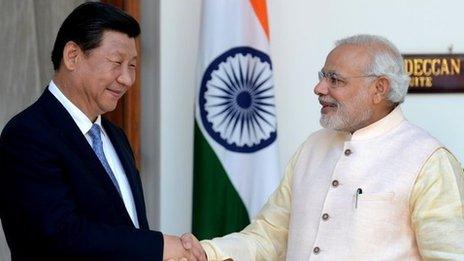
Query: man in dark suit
{"points": [[69, 188]]}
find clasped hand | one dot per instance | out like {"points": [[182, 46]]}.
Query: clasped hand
{"points": [[184, 248]]}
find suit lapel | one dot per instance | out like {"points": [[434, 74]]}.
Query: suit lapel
{"points": [[125, 156], [68, 129]]}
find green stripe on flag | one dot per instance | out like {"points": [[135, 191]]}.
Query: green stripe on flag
{"points": [[217, 207]]}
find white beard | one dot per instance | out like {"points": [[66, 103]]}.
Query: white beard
{"points": [[345, 119]]}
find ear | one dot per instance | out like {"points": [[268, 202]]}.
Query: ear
{"points": [[381, 89], [71, 55]]}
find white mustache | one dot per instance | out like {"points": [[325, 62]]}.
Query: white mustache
{"points": [[328, 101]]}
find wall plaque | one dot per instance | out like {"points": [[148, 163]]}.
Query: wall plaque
{"points": [[434, 73]]}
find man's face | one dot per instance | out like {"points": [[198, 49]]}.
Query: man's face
{"points": [[344, 91], [107, 72]]}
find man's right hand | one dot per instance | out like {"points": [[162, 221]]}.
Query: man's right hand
{"points": [[191, 243], [175, 251]]}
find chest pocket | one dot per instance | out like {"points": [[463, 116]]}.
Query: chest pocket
{"points": [[375, 209], [376, 222]]}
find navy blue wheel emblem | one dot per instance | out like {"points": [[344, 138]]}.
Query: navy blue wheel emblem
{"points": [[237, 100]]}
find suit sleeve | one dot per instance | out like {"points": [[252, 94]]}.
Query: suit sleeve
{"points": [[37, 205]]}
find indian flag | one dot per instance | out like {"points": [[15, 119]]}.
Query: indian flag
{"points": [[236, 165]]}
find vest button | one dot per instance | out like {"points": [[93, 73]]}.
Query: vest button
{"points": [[348, 152], [335, 183], [316, 250], [325, 216]]}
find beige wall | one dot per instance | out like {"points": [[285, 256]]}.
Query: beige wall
{"points": [[28, 29]]}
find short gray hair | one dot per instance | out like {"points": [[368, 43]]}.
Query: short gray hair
{"points": [[386, 60]]}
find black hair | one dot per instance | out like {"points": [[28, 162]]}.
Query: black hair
{"points": [[86, 24]]}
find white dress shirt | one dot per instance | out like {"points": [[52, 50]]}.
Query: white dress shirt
{"points": [[84, 124]]}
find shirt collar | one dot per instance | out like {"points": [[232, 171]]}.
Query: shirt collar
{"points": [[380, 127], [81, 120]]}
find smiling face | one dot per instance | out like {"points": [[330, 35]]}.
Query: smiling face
{"points": [[346, 98], [101, 76]]}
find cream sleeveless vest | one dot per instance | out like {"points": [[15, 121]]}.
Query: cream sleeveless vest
{"points": [[350, 193]]}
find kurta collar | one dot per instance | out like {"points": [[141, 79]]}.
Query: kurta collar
{"points": [[380, 127]]}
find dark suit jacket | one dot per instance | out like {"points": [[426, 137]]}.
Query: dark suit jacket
{"points": [[56, 200]]}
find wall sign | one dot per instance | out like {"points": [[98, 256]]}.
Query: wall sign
{"points": [[434, 73]]}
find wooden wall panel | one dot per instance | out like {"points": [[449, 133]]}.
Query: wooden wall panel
{"points": [[127, 113]]}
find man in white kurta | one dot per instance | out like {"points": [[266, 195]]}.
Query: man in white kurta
{"points": [[369, 186]]}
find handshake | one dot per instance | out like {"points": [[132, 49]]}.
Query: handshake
{"points": [[184, 248]]}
